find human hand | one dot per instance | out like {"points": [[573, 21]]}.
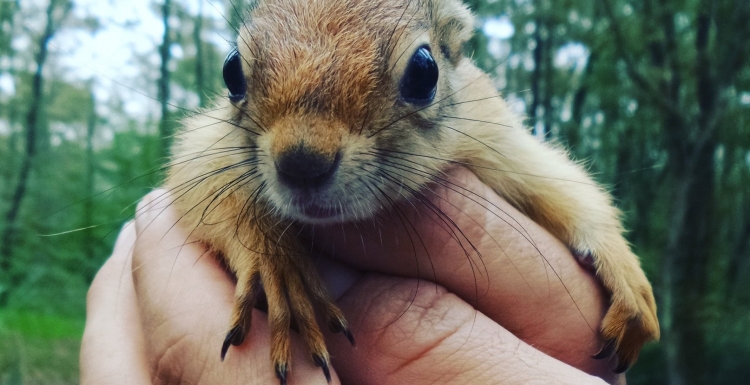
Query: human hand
{"points": [[508, 272], [168, 317]]}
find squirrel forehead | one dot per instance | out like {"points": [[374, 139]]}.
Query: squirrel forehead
{"points": [[309, 20], [323, 55]]}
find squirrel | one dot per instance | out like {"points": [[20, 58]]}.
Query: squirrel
{"points": [[324, 96]]}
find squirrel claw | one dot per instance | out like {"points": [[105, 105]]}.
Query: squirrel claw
{"points": [[323, 364], [607, 351], [339, 326], [281, 372], [622, 367], [234, 337], [349, 337]]}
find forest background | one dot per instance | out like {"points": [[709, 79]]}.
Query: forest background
{"points": [[653, 96]]}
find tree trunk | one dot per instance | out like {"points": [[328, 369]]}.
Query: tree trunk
{"points": [[8, 10], [165, 125], [692, 161], [200, 81], [88, 208], [686, 269], [575, 127], [548, 117], [536, 75]]}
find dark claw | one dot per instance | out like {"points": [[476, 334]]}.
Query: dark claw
{"points": [[281, 371], [338, 327], [622, 367], [323, 364], [349, 336], [606, 351], [234, 337]]}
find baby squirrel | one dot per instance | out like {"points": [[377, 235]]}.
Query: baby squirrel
{"points": [[325, 95]]}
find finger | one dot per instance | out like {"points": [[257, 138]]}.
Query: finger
{"points": [[412, 332], [185, 297], [112, 349], [479, 247]]}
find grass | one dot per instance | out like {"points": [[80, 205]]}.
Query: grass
{"points": [[38, 348]]}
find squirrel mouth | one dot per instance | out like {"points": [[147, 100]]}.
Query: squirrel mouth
{"points": [[314, 211], [307, 207]]}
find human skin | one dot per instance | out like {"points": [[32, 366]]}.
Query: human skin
{"points": [[158, 308]]}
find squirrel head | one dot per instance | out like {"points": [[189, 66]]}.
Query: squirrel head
{"points": [[330, 86]]}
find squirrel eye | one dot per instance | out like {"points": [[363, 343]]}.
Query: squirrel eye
{"points": [[419, 83], [233, 77]]}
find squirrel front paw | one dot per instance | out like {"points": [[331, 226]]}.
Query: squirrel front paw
{"points": [[631, 319], [291, 293], [628, 325]]}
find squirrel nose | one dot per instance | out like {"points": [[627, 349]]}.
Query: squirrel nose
{"points": [[303, 167]]}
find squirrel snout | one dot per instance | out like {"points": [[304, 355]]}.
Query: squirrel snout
{"points": [[302, 167]]}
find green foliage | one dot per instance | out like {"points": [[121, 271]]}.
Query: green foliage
{"points": [[41, 326], [38, 360], [39, 348]]}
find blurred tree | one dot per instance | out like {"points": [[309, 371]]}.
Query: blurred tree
{"points": [[89, 190], [165, 124], [684, 60], [657, 108], [198, 59], [200, 82], [8, 11], [57, 11], [8, 110]]}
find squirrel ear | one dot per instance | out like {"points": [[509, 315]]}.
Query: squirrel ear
{"points": [[454, 25]]}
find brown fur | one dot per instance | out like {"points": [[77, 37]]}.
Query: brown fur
{"points": [[325, 74]]}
